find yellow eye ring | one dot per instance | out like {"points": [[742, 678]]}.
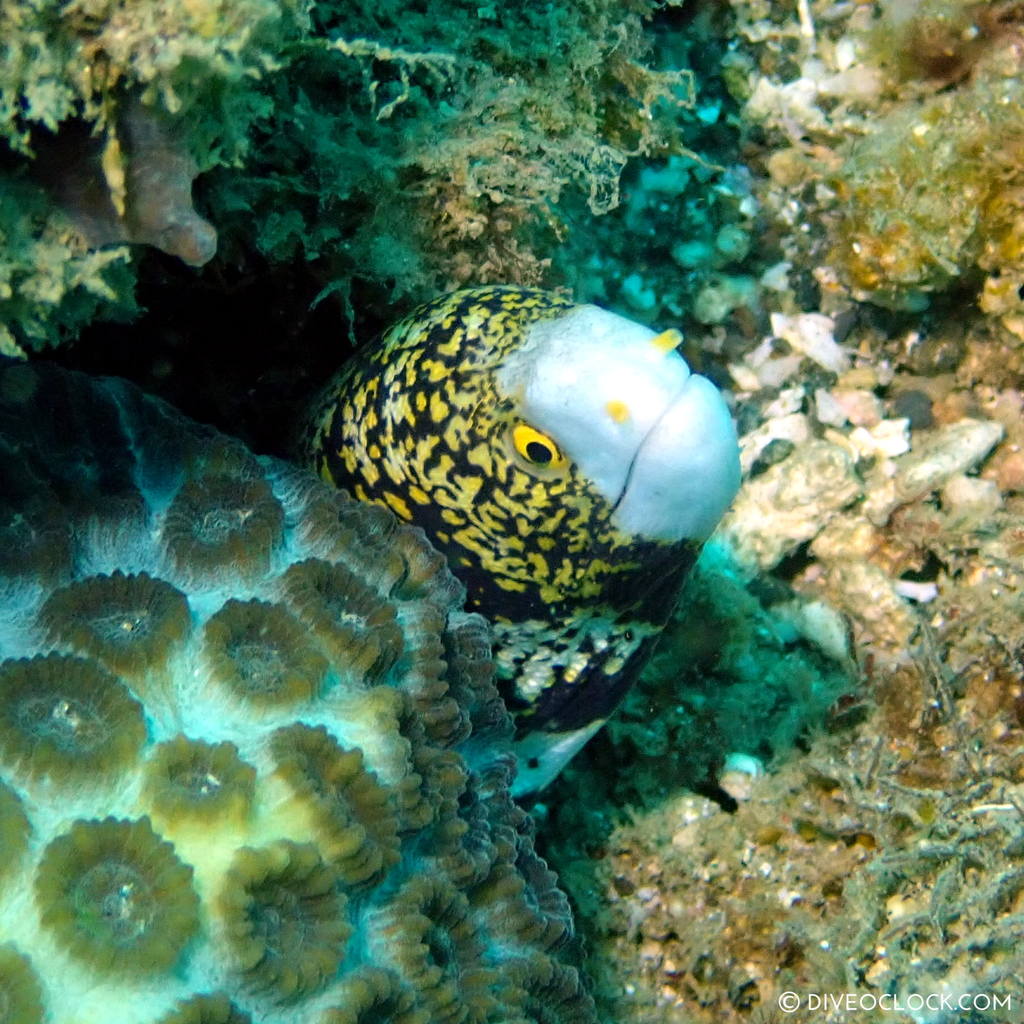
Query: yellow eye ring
{"points": [[536, 448]]}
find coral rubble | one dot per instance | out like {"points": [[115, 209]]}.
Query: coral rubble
{"points": [[871, 847]]}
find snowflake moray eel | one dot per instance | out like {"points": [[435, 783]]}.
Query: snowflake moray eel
{"points": [[566, 462]]}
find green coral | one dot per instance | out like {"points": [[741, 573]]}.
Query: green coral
{"points": [[318, 855]]}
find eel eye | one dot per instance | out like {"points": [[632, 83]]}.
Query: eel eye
{"points": [[538, 449]]}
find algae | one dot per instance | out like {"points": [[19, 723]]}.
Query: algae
{"points": [[375, 141]]}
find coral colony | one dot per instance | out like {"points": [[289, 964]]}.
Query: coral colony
{"points": [[255, 767]]}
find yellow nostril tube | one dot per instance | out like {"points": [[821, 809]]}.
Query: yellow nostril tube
{"points": [[618, 411], [667, 340]]}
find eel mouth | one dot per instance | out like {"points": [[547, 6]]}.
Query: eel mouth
{"points": [[636, 455], [685, 471]]}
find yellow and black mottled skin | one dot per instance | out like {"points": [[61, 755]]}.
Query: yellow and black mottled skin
{"points": [[417, 423]]}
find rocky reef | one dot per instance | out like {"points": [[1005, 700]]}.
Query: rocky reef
{"points": [[817, 786], [253, 766], [872, 851]]}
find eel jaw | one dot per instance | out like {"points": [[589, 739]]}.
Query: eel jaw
{"points": [[686, 470]]}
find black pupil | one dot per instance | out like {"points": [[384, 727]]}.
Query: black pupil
{"points": [[537, 452]]}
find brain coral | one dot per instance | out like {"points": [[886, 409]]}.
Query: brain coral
{"points": [[253, 767]]}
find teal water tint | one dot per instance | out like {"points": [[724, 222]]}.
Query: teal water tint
{"points": [[382, 152]]}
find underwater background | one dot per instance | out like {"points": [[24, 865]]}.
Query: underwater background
{"points": [[818, 785]]}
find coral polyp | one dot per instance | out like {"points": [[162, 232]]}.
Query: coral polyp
{"points": [[66, 719], [207, 1009], [349, 619], [253, 765], [259, 652], [435, 944], [433, 772], [194, 782], [14, 830], [115, 896], [373, 996], [284, 919], [20, 994], [528, 900], [218, 522], [348, 808], [35, 542], [549, 993], [129, 623], [359, 536]]}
